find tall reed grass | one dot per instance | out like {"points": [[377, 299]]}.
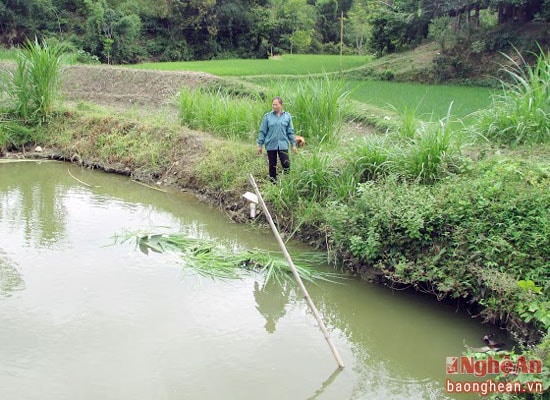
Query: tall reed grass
{"points": [[370, 158], [521, 113], [416, 151], [220, 112], [33, 88], [319, 106]]}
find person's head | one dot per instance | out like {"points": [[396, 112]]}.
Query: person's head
{"points": [[277, 104]]}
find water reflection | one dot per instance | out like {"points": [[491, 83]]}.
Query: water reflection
{"points": [[398, 346], [326, 384], [143, 328], [271, 300], [36, 202], [10, 278]]}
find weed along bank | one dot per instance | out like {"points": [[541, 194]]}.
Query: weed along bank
{"points": [[455, 210]]}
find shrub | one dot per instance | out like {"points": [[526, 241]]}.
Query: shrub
{"points": [[455, 236]]}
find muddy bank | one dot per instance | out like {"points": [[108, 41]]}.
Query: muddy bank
{"points": [[179, 176]]}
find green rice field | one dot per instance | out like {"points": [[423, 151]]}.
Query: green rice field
{"points": [[288, 64], [426, 100]]}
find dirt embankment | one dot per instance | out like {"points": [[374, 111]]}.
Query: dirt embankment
{"points": [[119, 87]]}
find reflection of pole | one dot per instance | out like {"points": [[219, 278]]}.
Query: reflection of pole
{"points": [[325, 384], [296, 274]]}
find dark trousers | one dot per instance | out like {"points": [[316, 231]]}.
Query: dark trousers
{"points": [[272, 157]]}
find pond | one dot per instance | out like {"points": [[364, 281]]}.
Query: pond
{"points": [[85, 317]]}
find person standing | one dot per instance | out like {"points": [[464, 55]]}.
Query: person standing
{"points": [[276, 132]]}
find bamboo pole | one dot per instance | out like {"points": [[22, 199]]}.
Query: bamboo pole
{"points": [[78, 180], [296, 274]]}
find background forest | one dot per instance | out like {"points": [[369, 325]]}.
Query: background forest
{"points": [[132, 31]]}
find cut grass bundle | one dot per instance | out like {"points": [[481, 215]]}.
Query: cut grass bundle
{"points": [[209, 258]]}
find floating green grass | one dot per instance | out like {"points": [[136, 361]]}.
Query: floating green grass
{"points": [[209, 258]]}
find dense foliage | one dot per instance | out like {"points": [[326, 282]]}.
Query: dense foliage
{"points": [[130, 31]]}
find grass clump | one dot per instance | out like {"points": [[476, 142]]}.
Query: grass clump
{"points": [[33, 88], [431, 150], [14, 135], [319, 107], [521, 113], [219, 112]]}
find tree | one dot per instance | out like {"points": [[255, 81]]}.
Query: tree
{"points": [[388, 32], [237, 22], [110, 34], [301, 19], [328, 22], [440, 31], [359, 28], [22, 19], [517, 10], [194, 21], [285, 17]]}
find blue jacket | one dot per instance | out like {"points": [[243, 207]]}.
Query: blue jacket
{"points": [[276, 131]]}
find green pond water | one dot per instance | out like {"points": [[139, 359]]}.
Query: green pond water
{"points": [[84, 318]]}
